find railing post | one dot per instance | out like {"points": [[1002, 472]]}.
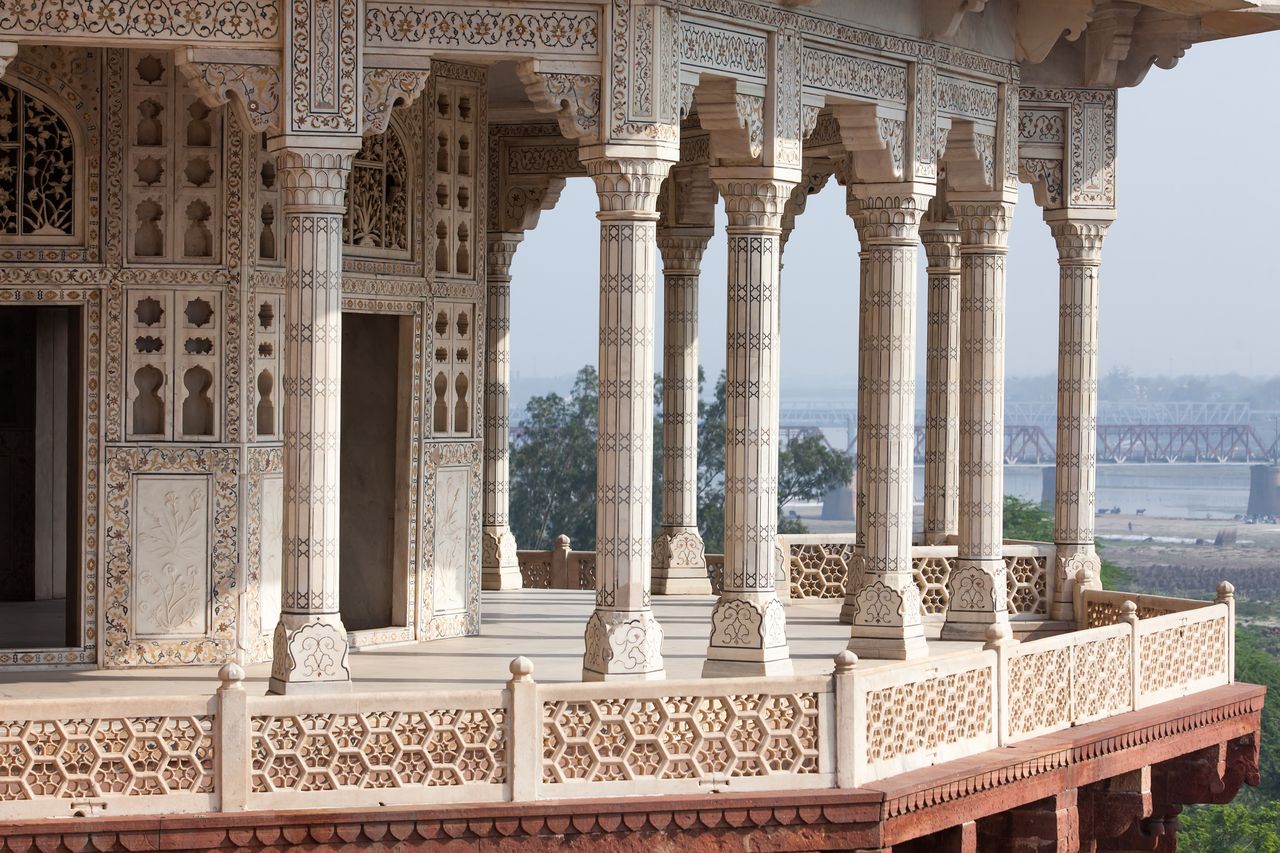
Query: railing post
{"points": [[847, 725], [1227, 595], [525, 746], [1129, 612], [231, 740], [1084, 583], [999, 640], [560, 565]]}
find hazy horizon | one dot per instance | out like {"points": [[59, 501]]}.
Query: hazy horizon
{"points": [[1165, 311]]}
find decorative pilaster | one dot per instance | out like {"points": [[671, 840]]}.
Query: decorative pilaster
{"points": [[310, 647], [748, 627], [499, 568], [679, 561], [883, 601], [623, 640], [942, 382], [1079, 242], [976, 588]]}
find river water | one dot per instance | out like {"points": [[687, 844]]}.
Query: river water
{"points": [[1163, 490]]}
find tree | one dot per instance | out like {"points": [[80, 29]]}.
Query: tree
{"points": [[1032, 522], [553, 467]]}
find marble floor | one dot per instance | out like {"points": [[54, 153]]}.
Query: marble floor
{"points": [[543, 625]]}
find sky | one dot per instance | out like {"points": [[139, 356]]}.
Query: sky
{"points": [[1188, 284]]}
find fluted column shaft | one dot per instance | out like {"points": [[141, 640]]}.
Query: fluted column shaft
{"points": [[499, 567], [623, 640], [748, 627], [679, 560], [883, 602], [310, 648], [1079, 257], [942, 382], [976, 587]]}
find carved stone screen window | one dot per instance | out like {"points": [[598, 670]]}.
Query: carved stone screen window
{"points": [[270, 216], [37, 171], [455, 125], [453, 370], [174, 342], [378, 198], [268, 409], [174, 171]]}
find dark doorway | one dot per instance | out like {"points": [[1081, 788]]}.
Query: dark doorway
{"points": [[375, 392], [40, 441]]}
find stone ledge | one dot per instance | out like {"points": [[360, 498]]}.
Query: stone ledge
{"points": [[901, 808]]}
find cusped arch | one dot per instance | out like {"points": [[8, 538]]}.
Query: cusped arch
{"points": [[379, 220], [42, 168]]}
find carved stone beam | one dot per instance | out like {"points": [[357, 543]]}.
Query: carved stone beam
{"points": [[942, 17], [574, 99], [1107, 40], [688, 198], [8, 50], [389, 83], [250, 79], [733, 112], [875, 137], [1040, 25], [970, 158], [523, 201]]}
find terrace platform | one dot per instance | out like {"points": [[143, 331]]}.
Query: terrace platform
{"points": [[540, 624]]}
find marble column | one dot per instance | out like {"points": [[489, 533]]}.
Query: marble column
{"points": [[976, 587], [748, 626], [499, 568], [679, 561], [623, 639], [942, 382], [310, 648], [883, 601], [1079, 242]]}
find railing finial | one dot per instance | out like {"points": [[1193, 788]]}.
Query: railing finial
{"points": [[1129, 612], [521, 669], [998, 635], [845, 662], [1226, 592], [232, 676]]}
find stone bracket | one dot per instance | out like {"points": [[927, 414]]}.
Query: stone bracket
{"points": [[875, 136], [733, 111], [385, 88], [574, 99], [248, 78]]}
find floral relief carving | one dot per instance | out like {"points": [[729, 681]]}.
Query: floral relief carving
{"points": [[37, 168], [205, 19], [711, 47], [171, 559], [853, 75], [551, 30], [967, 98], [378, 204]]}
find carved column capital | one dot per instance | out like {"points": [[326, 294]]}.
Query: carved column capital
{"points": [[315, 178], [754, 203], [941, 246], [984, 225], [887, 214], [385, 89], [502, 247], [1079, 240], [682, 249], [628, 187]]}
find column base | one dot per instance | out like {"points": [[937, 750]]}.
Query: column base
{"points": [[679, 563], [1072, 559], [309, 655], [622, 645], [977, 599], [748, 636], [499, 566], [896, 647]]}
